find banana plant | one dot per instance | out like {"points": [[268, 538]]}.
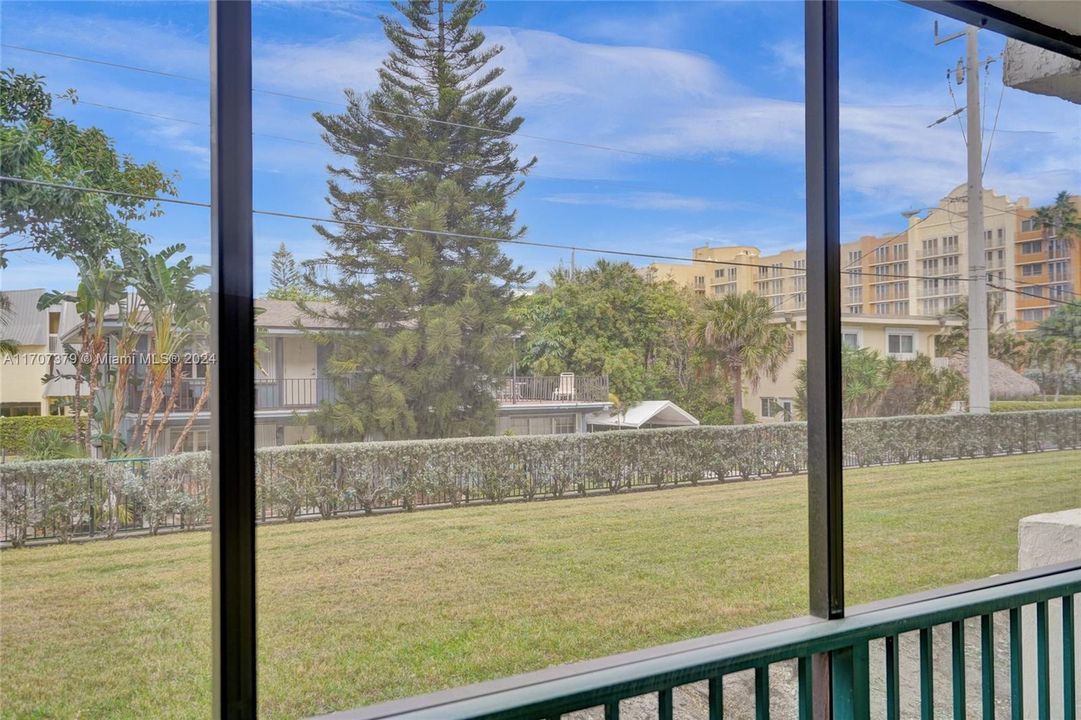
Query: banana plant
{"points": [[174, 307], [130, 315], [101, 284]]}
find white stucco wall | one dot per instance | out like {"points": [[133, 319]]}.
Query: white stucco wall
{"points": [[20, 376]]}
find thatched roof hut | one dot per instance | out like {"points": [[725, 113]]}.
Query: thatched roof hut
{"points": [[1006, 383]]}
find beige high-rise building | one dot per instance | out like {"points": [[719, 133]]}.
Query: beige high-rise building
{"points": [[916, 272]]}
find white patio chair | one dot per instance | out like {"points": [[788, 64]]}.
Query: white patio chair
{"points": [[566, 387]]}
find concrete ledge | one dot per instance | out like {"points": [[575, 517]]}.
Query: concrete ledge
{"points": [[1032, 69], [1047, 539]]}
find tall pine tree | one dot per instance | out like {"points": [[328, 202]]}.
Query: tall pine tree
{"points": [[426, 309], [284, 275]]}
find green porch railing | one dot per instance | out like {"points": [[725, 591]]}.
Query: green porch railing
{"points": [[811, 642]]}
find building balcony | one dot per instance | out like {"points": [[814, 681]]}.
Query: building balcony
{"points": [[270, 394], [552, 389]]}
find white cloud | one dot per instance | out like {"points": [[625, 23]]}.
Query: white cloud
{"points": [[639, 201], [677, 104]]}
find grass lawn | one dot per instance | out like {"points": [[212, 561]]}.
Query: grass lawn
{"points": [[354, 611]]}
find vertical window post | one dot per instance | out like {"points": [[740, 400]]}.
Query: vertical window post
{"points": [[232, 336], [824, 444]]}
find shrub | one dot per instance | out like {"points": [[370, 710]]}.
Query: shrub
{"points": [[1071, 403], [169, 487], [16, 432], [56, 497]]}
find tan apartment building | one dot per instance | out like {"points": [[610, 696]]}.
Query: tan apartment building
{"points": [[917, 272], [1047, 270], [713, 270], [773, 400], [36, 335]]}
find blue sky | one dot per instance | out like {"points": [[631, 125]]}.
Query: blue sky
{"points": [[707, 97]]}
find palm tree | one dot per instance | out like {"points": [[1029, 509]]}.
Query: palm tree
{"points": [[7, 345], [1053, 354], [101, 284], [1059, 220], [1002, 343], [740, 341], [173, 308]]}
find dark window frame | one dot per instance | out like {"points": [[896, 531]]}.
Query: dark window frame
{"points": [[232, 433]]}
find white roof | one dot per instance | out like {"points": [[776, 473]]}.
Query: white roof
{"points": [[656, 412]]}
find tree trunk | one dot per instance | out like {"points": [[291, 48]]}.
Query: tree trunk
{"points": [[144, 404], [80, 439], [120, 400], [199, 404], [157, 394], [178, 372], [737, 395]]}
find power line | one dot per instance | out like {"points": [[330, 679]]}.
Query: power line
{"points": [[285, 138], [304, 98], [1041, 297], [380, 226], [464, 236]]}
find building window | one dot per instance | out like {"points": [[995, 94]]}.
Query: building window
{"points": [[1028, 225], [1033, 315], [512, 426], [1032, 269], [1031, 247], [17, 409], [564, 424], [786, 409], [195, 441], [852, 338], [900, 343]]}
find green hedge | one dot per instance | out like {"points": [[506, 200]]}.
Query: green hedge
{"points": [[63, 498], [1019, 405], [15, 432]]}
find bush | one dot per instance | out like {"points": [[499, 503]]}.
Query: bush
{"points": [[16, 433], [1049, 404], [56, 497]]}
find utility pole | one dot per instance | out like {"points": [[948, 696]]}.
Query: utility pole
{"points": [[979, 391]]}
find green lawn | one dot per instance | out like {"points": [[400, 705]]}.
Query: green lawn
{"points": [[358, 610]]}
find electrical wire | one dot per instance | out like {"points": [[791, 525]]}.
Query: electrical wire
{"points": [[463, 236], [304, 98], [994, 127], [956, 109]]}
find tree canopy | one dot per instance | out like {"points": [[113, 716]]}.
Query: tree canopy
{"points": [[428, 170], [608, 320], [37, 145]]}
